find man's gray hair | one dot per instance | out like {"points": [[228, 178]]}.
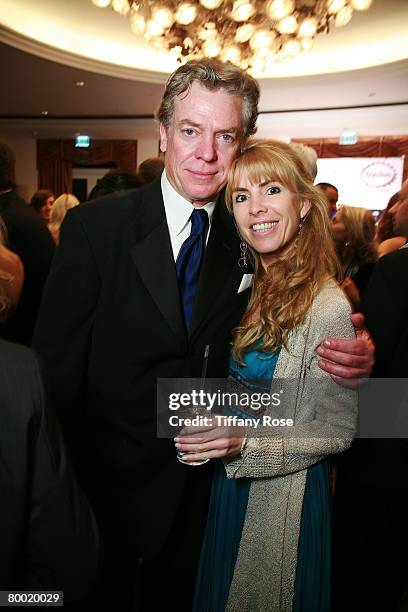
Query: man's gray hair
{"points": [[214, 75]]}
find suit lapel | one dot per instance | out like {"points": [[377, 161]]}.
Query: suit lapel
{"points": [[220, 260], [153, 257]]}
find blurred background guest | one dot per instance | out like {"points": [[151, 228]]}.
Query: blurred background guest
{"points": [[354, 236], [150, 168], [332, 196], [308, 156], [11, 276], [387, 240], [58, 212], [115, 181], [42, 201], [371, 502], [49, 538], [29, 238]]}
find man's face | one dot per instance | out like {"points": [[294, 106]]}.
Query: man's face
{"points": [[399, 212], [332, 196], [201, 142]]}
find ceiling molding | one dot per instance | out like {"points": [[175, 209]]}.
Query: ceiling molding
{"points": [[82, 36], [35, 47]]}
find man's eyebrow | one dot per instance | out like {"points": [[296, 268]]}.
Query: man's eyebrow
{"points": [[189, 122], [193, 123], [235, 130]]}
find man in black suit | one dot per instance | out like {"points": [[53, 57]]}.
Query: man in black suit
{"points": [[371, 508], [28, 236], [49, 539], [115, 318]]}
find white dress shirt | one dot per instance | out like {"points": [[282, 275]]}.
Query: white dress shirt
{"points": [[178, 212]]}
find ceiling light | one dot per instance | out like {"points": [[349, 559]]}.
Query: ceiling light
{"points": [[308, 27], [186, 13], [231, 54], [361, 5], [262, 39], [343, 16], [288, 25], [234, 30], [244, 32], [211, 4], [278, 9], [334, 6], [242, 10], [163, 16], [138, 24], [291, 47], [121, 6], [306, 44], [101, 3], [153, 29]]}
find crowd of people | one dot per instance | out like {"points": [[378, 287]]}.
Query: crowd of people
{"points": [[222, 261]]}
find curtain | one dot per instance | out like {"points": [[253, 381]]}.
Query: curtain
{"points": [[55, 176], [56, 158], [380, 146]]}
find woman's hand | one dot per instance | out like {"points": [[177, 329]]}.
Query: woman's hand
{"points": [[213, 442]]}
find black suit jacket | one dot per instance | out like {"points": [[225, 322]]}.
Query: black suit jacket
{"points": [[110, 324], [384, 462], [48, 535], [386, 309], [28, 236]]}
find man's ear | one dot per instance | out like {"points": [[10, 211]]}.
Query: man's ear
{"points": [[163, 138], [304, 209]]}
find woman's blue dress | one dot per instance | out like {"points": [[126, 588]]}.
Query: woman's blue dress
{"points": [[228, 503]]}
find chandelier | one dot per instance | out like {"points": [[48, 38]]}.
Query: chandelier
{"points": [[249, 33]]}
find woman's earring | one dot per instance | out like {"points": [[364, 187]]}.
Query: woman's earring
{"points": [[242, 261]]}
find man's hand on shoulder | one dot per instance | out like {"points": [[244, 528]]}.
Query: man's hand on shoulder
{"points": [[349, 362]]}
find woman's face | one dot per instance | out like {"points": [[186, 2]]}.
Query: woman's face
{"points": [[45, 210], [267, 216], [339, 230]]}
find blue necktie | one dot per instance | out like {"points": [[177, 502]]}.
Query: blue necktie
{"points": [[189, 262]]}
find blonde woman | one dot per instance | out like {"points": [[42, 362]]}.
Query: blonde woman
{"points": [[354, 235], [58, 212], [267, 542], [11, 276]]}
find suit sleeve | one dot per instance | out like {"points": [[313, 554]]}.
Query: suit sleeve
{"points": [[384, 307], [62, 547], [332, 425], [62, 336]]}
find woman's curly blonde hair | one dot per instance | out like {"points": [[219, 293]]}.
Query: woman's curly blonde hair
{"points": [[283, 293], [361, 246]]}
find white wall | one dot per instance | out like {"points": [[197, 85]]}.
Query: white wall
{"points": [[147, 147], [25, 150], [367, 122]]}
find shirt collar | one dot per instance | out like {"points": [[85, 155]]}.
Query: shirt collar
{"points": [[178, 209]]}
